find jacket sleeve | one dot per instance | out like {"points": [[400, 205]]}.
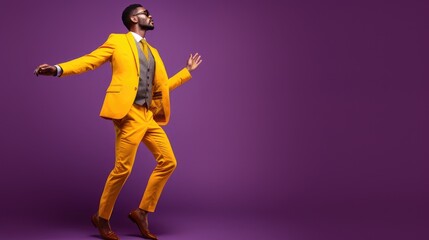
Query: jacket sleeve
{"points": [[90, 61], [179, 78]]}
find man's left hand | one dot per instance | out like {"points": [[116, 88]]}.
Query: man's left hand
{"points": [[193, 62]]}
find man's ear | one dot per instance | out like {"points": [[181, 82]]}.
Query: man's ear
{"points": [[134, 19]]}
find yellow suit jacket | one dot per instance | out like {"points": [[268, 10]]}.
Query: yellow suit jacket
{"points": [[121, 51]]}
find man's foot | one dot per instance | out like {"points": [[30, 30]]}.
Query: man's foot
{"points": [[104, 228], [139, 217]]}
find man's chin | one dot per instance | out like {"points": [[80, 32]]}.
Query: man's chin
{"points": [[148, 27]]}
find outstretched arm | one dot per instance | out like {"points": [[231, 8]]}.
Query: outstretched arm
{"points": [[184, 75], [80, 65]]}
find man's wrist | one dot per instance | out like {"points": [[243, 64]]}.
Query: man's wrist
{"points": [[59, 71]]}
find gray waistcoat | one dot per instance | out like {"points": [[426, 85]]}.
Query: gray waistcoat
{"points": [[147, 70]]}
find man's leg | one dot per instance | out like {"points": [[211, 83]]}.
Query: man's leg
{"points": [[129, 133], [157, 142]]}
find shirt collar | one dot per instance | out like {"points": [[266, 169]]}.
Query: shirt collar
{"points": [[137, 37]]}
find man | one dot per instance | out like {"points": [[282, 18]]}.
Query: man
{"points": [[137, 101]]}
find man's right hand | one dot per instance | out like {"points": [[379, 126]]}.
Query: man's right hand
{"points": [[46, 70]]}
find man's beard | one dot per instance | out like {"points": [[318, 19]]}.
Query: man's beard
{"points": [[146, 27]]}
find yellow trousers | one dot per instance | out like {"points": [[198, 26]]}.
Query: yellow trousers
{"points": [[138, 126]]}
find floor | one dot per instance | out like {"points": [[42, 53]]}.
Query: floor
{"points": [[310, 225]]}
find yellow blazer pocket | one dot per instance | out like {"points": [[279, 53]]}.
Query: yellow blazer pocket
{"points": [[157, 95], [114, 89]]}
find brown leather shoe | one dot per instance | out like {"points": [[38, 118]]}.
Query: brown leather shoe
{"points": [[141, 221], [105, 231]]}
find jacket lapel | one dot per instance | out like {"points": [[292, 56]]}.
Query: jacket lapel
{"points": [[159, 65], [132, 43]]}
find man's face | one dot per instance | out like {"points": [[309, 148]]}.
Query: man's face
{"points": [[144, 19]]}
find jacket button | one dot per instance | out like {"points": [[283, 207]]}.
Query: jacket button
{"points": [[135, 88]]}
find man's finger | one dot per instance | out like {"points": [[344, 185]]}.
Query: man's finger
{"points": [[37, 71], [40, 68]]}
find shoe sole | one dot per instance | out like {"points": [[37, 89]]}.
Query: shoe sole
{"points": [[95, 223], [134, 221]]}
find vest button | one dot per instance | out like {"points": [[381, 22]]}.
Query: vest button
{"points": [[135, 88]]}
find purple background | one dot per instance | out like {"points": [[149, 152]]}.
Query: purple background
{"points": [[306, 120]]}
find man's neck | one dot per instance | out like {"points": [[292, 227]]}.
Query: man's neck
{"points": [[139, 31]]}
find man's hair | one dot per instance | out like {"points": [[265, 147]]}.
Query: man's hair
{"points": [[126, 14]]}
